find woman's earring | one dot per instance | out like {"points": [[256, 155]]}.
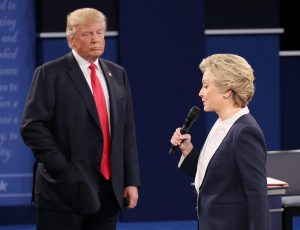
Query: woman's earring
{"points": [[224, 97]]}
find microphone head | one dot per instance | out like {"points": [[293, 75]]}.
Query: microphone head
{"points": [[194, 113], [190, 119]]}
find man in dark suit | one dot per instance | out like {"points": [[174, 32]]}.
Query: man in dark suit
{"points": [[62, 124]]}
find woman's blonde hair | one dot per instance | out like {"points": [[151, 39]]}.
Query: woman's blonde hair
{"points": [[231, 72]]}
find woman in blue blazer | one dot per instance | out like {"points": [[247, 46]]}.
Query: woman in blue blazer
{"points": [[230, 170]]}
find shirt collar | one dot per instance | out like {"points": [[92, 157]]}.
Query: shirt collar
{"points": [[82, 62], [229, 122]]}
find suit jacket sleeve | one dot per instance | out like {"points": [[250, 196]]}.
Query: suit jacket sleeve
{"points": [[189, 165], [131, 165], [36, 123], [251, 159]]}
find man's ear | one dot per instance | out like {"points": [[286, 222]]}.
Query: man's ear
{"points": [[71, 41]]}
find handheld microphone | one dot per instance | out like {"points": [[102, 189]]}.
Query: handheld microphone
{"points": [[189, 121]]}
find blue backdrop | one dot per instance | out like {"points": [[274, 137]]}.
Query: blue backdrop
{"points": [[161, 45], [17, 61], [261, 50]]}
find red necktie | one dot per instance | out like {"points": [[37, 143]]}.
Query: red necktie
{"points": [[102, 112]]}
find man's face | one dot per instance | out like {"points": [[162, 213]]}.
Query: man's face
{"points": [[88, 40]]}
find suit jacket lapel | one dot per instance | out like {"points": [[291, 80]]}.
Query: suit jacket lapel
{"points": [[111, 90], [76, 75]]}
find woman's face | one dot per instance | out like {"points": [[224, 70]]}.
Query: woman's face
{"points": [[212, 97]]}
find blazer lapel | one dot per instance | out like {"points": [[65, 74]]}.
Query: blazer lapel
{"points": [[112, 97], [76, 75]]}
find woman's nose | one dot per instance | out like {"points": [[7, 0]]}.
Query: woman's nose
{"points": [[200, 93]]}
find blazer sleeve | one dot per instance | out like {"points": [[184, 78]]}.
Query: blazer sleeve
{"points": [[189, 165], [250, 153], [131, 163], [36, 123]]}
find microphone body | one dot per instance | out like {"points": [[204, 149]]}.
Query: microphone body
{"points": [[189, 121]]}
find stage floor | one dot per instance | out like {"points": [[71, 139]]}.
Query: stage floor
{"points": [[162, 225]]}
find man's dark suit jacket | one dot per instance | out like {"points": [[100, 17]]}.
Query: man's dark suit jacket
{"points": [[61, 126], [233, 195]]}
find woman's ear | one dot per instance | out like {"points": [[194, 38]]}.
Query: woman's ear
{"points": [[227, 94]]}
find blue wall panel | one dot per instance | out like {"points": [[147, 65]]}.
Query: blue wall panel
{"points": [[262, 52], [17, 61], [161, 46], [290, 81]]}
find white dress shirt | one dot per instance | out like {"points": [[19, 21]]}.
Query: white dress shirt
{"points": [[84, 66]]}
